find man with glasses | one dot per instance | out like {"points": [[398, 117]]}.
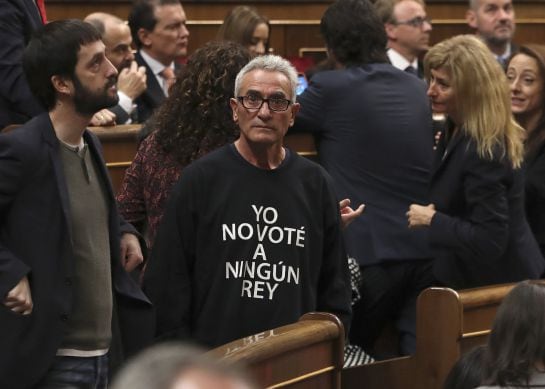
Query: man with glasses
{"points": [[494, 23], [251, 238], [131, 79], [408, 29]]}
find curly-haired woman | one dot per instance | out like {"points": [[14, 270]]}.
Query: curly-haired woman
{"points": [[194, 120]]}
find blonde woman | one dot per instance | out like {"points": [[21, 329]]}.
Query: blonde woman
{"points": [[477, 225]]}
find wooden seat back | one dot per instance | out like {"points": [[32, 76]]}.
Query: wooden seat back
{"points": [[306, 354], [448, 324]]}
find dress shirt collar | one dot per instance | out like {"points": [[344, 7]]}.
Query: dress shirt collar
{"points": [[155, 66], [400, 61]]}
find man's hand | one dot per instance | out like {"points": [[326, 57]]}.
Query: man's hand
{"points": [[132, 80], [19, 299], [420, 215], [103, 117], [348, 215], [131, 252]]}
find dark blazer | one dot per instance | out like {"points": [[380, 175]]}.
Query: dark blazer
{"points": [[374, 134], [35, 241], [535, 193], [153, 96], [479, 234], [18, 19]]}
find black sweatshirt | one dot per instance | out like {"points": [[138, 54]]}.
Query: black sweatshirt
{"points": [[242, 250]]}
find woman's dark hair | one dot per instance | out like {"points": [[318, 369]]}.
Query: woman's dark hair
{"points": [[53, 50], [517, 340], [196, 117], [536, 137], [467, 371], [354, 33], [239, 26]]}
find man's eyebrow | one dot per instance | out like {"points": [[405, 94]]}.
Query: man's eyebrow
{"points": [[273, 94], [121, 46]]}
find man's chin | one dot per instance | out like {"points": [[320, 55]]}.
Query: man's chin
{"points": [[499, 40]]}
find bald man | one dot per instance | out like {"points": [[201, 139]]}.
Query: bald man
{"points": [[494, 22], [131, 81]]}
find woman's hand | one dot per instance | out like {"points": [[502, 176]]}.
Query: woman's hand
{"points": [[420, 215]]}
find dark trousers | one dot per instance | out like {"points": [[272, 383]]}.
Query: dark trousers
{"points": [[76, 373], [388, 294]]}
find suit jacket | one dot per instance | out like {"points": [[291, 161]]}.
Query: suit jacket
{"points": [[18, 19], [121, 116], [374, 134], [152, 97], [535, 193], [479, 234], [35, 241]]}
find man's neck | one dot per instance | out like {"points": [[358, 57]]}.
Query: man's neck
{"points": [[404, 52], [68, 124], [266, 157], [162, 60], [498, 48]]}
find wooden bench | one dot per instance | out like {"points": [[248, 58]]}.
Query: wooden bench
{"points": [[449, 323], [306, 354]]}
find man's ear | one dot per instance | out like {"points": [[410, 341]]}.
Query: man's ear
{"points": [[391, 31], [234, 104], [144, 37], [294, 109], [62, 85], [471, 18]]}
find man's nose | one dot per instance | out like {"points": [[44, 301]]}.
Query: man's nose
{"points": [[264, 110], [426, 26], [111, 71], [503, 14]]}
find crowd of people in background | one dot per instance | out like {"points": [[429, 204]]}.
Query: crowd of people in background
{"points": [[217, 219]]}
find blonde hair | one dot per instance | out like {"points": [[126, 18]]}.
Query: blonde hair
{"points": [[482, 96]]}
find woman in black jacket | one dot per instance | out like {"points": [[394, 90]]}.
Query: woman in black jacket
{"points": [[477, 223], [526, 75]]}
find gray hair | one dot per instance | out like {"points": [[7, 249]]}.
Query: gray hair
{"points": [[269, 63], [160, 365]]}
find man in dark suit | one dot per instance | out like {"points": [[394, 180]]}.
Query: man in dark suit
{"points": [[408, 29], [373, 127], [18, 19], [68, 306], [159, 32]]}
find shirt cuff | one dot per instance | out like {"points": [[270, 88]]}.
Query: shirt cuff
{"points": [[125, 102]]}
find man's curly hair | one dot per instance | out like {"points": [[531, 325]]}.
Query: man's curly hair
{"points": [[196, 117]]}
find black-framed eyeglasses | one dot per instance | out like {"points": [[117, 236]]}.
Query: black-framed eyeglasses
{"points": [[255, 102], [416, 22]]}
